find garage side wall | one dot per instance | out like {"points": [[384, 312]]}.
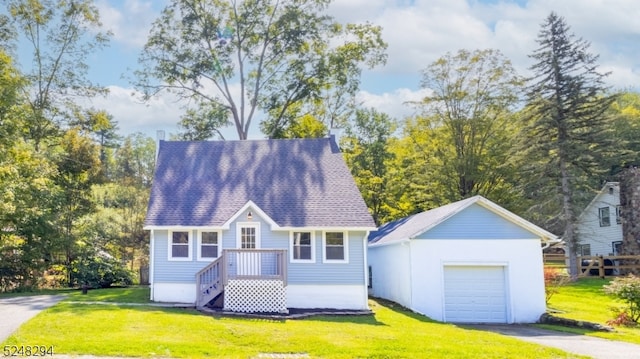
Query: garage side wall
{"points": [[522, 259], [390, 273]]}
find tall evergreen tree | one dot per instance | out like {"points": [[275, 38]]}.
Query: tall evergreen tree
{"points": [[566, 133]]}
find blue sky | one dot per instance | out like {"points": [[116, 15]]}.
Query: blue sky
{"points": [[418, 32]]}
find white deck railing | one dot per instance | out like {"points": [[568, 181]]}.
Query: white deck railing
{"points": [[239, 264]]}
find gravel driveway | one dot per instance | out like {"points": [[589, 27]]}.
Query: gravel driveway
{"points": [[572, 343], [17, 310]]}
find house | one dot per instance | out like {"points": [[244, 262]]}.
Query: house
{"points": [[600, 225], [267, 224], [469, 261]]}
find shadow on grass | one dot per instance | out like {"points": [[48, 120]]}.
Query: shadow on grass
{"points": [[399, 309], [588, 285], [81, 309], [133, 294]]}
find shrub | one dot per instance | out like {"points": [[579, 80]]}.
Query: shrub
{"points": [[627, 289], [99, 271], [554, 278]]}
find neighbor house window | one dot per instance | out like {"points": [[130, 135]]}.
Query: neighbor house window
{"points": [[179, 245], [605, 220], [208, 245], [619, 214], [335, 247], [584, 249], [302, 247], [617, 248]]}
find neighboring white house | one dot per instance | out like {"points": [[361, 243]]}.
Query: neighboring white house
{"points": [[470, 261], [268, 224], [600, 225]]}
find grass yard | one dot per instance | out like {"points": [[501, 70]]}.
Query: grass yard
{"points": [[585, 300], [149, 331], [112, 295]]}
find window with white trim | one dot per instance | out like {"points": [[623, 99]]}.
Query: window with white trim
{"points": [[302, 247], [208, 244], [603, 214], [248, 237], [180, 245], [335, 247], [618, 214]]}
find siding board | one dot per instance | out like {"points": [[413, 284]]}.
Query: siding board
{"points": [[477, 222], [298, 273]]}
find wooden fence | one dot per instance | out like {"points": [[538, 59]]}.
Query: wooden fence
{"points": [[601, 266]]}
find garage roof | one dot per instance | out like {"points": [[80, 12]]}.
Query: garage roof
{"points": [[410, 227]]}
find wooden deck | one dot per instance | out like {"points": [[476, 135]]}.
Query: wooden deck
{"points": [[239, 264]]}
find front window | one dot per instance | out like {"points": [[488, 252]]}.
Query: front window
{"points": [[618, 214], [209, 242], [335, 247], [302, 247], [179, 245], [605, 220]]}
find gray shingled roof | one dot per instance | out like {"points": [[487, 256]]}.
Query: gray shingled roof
{"points": [[297, 183]]}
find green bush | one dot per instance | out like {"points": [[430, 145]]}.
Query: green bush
{"points": [[99, 271], [627, 289]]}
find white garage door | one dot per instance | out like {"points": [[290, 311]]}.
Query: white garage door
{"points": [[475, 294]]}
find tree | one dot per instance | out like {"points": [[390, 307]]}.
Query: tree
{"points": [[61, 35], [566, 134], [233, 59], [78, 166], [366, 150], [625, 114], [100, 125], [135, 161], [467, 128]]}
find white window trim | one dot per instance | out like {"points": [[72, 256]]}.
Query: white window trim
{"points": [[313, 248], [189, 246], [345, 236], [601, 217], [199, 246], [255, 225]]}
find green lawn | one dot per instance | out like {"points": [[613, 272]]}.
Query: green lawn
{"points": [[112, 295], [145, 331], [585, 300]]}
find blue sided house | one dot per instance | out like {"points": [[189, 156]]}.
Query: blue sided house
{"points": [[260, 226]]}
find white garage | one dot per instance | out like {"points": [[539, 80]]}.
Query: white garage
{"points": [[471, 261]]}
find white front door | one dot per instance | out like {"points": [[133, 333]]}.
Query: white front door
{"points": [[248, 237]]}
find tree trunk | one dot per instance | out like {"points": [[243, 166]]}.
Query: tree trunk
{"points": [[569, 236], [630, 213]]}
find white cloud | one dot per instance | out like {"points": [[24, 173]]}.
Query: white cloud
{"points": [[129, 23], [419, 32], [160, 113], [396, 104]]}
